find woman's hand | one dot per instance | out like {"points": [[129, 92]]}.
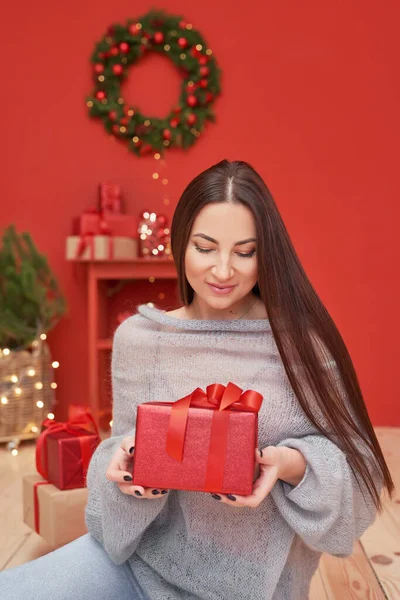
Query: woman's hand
{"points": [[120, 468], [269, 461]]}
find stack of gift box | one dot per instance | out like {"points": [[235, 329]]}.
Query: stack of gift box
{"points": [[203, 442], [54, 498], [103, 232]]}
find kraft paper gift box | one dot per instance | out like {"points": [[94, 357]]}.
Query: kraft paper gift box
{"points": [[59, 517], [205, 441], [100, 247]]}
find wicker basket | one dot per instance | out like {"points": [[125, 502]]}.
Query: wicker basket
{"points": [[26, 391]]}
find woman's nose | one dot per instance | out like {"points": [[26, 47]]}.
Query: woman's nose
{"points": [[222, 270]]}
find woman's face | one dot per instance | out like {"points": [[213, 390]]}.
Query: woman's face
{"points": [[220, 258]]}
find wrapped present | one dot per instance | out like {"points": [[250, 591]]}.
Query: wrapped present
{"points": [[100, 247], [94, 223], [58, 516], [205, 441], [64, 451], [110, 198]]}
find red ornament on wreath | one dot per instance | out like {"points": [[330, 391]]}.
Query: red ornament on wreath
{"points": [[117, 69], [164, 33], [192, 100], [158, 37]]}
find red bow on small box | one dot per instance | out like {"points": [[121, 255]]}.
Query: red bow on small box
{"points": [[76, 427]]}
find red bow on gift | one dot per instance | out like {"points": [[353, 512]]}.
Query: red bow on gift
{"points": [[222, 400], [87, 239], [73, 426]]}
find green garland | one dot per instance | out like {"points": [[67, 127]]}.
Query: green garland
{"points": [[171, 36]]}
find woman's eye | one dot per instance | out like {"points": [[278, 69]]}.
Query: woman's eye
{"points": [[248, 255], [241, 254], [206, 250]]}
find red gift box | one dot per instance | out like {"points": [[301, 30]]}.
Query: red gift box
{"points": [[205, 441], [64, 451], [91, 223], [110, 197]]}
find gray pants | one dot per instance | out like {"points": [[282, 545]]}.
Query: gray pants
{"points": [[79, 570]]}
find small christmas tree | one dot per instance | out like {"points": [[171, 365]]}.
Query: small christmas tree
{"points": [[30, 299]]}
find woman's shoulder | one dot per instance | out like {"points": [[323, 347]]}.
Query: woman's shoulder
{"points": [[134, 330]]}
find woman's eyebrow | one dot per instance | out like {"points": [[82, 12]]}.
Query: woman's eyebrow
{"points": [[210, 239]]}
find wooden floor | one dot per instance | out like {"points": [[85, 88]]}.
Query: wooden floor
{"points": [[372, 572]]}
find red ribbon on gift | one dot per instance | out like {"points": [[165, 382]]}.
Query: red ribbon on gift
{"points": [[73, 426], [222, 400], [87, 239]]}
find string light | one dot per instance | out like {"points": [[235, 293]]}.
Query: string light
{"points": [[53, 386], [14, 378], [18, 391], [31, 372], [39, 385], [50, 416], [155, 176], [6, 351], [43, 336], [152, 279], [55, 364], [39, 404], [4, 400]]}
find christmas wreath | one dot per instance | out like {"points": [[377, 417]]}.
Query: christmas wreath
{"points": [[122, 46]]}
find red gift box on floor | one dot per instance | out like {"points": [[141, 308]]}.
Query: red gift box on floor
{"points": [[64, 451], [205, 441]]}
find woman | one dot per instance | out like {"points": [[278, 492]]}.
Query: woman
{"points": [[249, 315]]}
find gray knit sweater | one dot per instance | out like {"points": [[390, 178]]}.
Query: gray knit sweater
{"points": [[187, 545]]}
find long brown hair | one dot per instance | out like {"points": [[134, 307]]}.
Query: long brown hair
{"points": [[304, 332]]}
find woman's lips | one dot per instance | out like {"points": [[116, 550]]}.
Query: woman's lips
{"points": [[221, 291]]}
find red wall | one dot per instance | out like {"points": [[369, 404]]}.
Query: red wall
{"points": [[310, 98]]}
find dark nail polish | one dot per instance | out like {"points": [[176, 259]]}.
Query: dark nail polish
{"points": [[155, 492], [216, 496], [230, 497], [164, 491], [127, 478], [131, 449], [261, 453], [138, 493]]}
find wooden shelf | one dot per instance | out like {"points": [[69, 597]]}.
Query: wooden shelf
{"points": [[98, 273]]}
